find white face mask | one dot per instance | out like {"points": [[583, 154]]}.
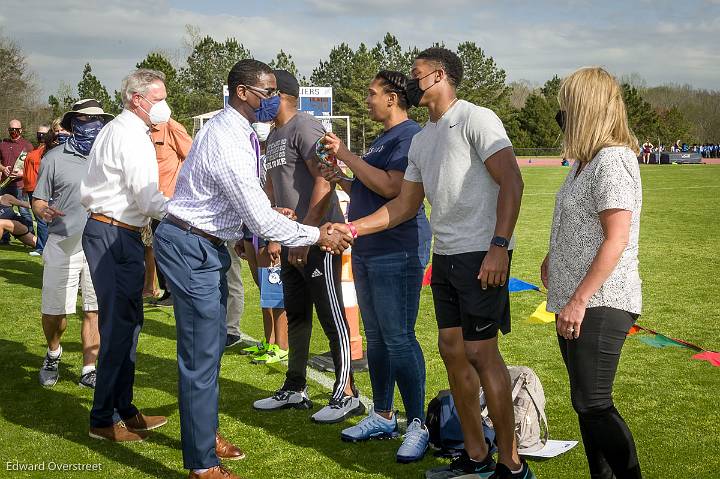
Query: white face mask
{"points": [[159, 112], [262, 130]]}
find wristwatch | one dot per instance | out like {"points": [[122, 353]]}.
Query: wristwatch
{"points": [[500, 241]]}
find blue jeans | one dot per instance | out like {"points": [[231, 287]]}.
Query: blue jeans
{"points": [[388, 290], [195, 269], [42, 228], [27, 219]]}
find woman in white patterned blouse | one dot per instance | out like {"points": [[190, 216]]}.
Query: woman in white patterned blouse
{"points": [[591, 270]]}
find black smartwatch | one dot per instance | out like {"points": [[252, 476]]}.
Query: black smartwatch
{"points": [[500, 241]]}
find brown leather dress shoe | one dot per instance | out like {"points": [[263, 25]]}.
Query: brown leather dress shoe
{"points": [[117, 433], [227, 450], [217, 472], [141, 422]]}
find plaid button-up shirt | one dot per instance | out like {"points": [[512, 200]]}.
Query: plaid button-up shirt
{"points": [[218, 190]]}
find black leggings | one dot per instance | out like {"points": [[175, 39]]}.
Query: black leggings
{"points": [[591, 362]]}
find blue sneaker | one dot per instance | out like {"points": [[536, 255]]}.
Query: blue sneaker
{"points": [[415, 443], [502, 472], [373, 426]]}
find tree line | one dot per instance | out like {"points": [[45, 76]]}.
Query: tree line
{"points": [[662, 114]]}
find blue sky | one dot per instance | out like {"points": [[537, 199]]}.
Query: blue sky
{"points": [[662, 41]]}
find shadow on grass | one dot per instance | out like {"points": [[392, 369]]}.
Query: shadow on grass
{"points": [[73, 422], [236, 400], [290, 426], [158, 328], [25, 272]]}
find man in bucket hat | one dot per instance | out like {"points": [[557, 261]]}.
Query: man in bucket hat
{"points": [[56, 200]]}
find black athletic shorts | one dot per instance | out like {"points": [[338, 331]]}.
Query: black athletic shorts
{"points": [[461, 302]]}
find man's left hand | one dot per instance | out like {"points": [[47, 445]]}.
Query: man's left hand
{"points": [[286, 212], [298, 256], [494, 268]]}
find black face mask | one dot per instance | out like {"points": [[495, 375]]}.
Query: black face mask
{"points": [[560, 118], [414, 92], [40, 137]]}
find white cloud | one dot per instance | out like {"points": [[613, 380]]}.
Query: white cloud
{"points": [[529, 40]]}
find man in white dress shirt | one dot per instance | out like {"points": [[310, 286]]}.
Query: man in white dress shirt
{"points": [[121, 193], [216, 193]]}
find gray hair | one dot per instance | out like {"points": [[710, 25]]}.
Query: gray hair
{"points": [[139, 81]]}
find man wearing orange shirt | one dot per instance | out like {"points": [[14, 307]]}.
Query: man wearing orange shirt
{"points": [[30, 176], [172, 145]]}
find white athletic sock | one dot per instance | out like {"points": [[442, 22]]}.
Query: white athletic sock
{"points": [[87, 369], [199, 471], [55, 354]]}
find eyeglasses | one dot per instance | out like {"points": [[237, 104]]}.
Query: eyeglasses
{"points": [[14, 130], [267, 92]]}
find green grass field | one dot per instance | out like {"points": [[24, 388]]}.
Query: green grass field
{"points": [[669, 400]]}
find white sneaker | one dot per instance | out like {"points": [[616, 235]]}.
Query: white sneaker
{"points": [[35, 253], [283, 399], [339, 409]]}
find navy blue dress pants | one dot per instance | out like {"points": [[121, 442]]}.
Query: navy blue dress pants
{"points": [[117, 266], [195, 269]]}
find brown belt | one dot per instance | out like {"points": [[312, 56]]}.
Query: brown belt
{"points": [[188, 227], [111, 221]]}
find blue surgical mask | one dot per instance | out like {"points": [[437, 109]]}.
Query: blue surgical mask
{"points": [[268, 109], [84, 134]]}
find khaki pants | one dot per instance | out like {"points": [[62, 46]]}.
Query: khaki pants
{"points": [[236, 292]]}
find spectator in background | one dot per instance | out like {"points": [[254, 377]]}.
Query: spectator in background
{"points": [[61, 134], [12, 223], [172, 145], [30, 175], [591, 270], [121, 192], [10, 150], [647, 148], [65, 268]]}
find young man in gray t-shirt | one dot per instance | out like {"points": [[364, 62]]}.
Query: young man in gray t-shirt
{"points": [[463, 162], [310, 276]]}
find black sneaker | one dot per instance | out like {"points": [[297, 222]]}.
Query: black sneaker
{"points": [[232, 340], [88, 380], [463, 465], [503, 472]]}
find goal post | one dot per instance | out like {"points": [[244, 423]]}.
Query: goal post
{"points": [[338, 124]]}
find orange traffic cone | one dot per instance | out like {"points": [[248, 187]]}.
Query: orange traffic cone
{"points": [[352, 310]]}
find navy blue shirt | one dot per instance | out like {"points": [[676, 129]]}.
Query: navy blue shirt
{"points": [[388, 152]]}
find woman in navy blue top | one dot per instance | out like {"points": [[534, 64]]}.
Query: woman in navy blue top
{"points": [[388, 269]]}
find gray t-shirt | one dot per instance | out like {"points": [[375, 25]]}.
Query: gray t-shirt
{"points": [[61, 172], [287, 149], [448, 158], [610, 181]]}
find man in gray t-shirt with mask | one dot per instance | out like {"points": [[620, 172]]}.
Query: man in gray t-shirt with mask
{"points": [[56, 200], [309, 275]]}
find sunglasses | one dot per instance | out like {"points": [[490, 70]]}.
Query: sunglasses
{"points": [[267, 92], [14, 130]]}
